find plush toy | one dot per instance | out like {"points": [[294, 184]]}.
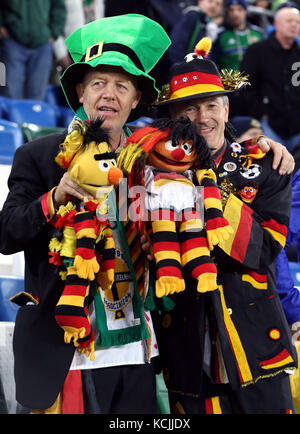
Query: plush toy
{"points": [[82, 245], [171, 159]]}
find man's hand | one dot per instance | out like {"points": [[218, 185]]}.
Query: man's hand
{"points": [[65, 61], [3, 32], [295, 330], [66, 188], [147, 247], [281, 155]]}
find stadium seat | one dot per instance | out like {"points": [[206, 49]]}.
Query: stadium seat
{"points": [[31, 111], [9, 286], [32, 131], [295, 272], [3, 107], [11, 138], [140, 123], [54, 96], [65, 116]]}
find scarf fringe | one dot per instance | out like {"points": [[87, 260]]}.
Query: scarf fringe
{"points": [[117, 337]]}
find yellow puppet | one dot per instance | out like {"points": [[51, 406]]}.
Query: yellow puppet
{"points": [[82, 245]]}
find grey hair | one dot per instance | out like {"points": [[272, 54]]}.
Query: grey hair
{"points": [[225, 99]]}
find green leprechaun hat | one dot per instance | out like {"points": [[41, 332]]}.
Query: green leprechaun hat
{"points": [[133, 42]]}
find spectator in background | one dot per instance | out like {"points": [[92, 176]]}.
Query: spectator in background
{"points": [[78, 13], [75, 18], [262, 4], [232, 42], [194, 24], [260, 14], [93, 9], [246, 128], [28, 30], [274, 93]]}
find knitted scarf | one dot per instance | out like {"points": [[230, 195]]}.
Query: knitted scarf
{"points": [[127, 330]]}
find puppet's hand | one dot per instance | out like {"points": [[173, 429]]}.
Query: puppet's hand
{"points": [[207, 282], [72, 333], [86, 268], [217, 235], [168, 285], [85, 261], [87, 346]]}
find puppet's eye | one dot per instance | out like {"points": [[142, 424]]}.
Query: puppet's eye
{"points": [[113, 163], [187, 148], [170, 146], [104, 165]]}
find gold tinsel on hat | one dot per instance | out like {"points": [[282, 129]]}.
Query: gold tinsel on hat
{"points": [[164, 94], [233, 80]]}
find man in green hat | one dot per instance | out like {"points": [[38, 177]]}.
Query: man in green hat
{"points": [[109, 79]]}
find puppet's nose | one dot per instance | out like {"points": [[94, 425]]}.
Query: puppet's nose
{"points": [[178, 154], [114, 175]]}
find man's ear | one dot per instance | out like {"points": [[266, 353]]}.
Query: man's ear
{"points": [[226, 111], [137, 99], [79, 90]]}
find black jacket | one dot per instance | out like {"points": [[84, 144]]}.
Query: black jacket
{"points": [[244, 315], [275, 88], [42, 359]]}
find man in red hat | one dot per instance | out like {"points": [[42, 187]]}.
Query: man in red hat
{"points": [[230, 350]]}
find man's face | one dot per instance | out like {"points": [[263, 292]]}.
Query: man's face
{"points": [[287, 23], [237, 16], [212, 8], [108, 93], [208, 114]]}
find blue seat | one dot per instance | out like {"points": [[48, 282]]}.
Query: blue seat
{"points": [[65, 116], [9, 286], [54, 95], [11, 137], [31, 111], [295, 272], [3, 107], [140, 122]]}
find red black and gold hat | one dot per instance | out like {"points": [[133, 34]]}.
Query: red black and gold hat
{"points": [[198, 77]]}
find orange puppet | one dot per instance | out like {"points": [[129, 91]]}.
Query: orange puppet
{"points": [[171, 160]]}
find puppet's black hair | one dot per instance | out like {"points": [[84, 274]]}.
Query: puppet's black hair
{"points": [[95, 131]]}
